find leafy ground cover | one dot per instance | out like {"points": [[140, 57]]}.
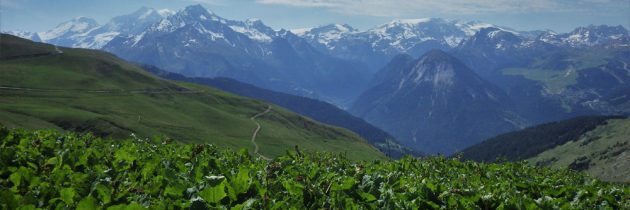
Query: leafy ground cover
{"points": [[51, 170]]}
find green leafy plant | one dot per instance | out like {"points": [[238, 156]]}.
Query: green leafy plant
{"points": [[50, 170]]}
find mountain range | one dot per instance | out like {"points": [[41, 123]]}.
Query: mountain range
{"points": [[434, 84]]}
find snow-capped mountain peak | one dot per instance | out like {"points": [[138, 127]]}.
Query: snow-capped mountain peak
{"points": [[406, 33], [253, 21], [72, 27], [191, 15], [134, 22], [495, 38], [209, 22], [254, 28], [166, 12], [407, 22], [148, 13], [25, 34], [301, 31], [588, 36], [472, 27]]}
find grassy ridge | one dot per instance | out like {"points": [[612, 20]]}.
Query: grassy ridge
{"points": [[92, 91], [603, 152], [598, 145], [529, 142], [49, 170]]}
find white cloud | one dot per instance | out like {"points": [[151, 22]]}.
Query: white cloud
{"points": [[414, 7]]}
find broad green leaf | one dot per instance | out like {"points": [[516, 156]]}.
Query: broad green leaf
{"points": [[104, 192], [367, 197], [67, 195], [294, 188], [88, 203], [174, 191], [239, 183], [346, 184], [16, 178], [214, 194]]}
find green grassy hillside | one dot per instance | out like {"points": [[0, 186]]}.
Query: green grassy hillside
{"points": [[49, 170], [603, 152], [599, 145], [92, 91]]}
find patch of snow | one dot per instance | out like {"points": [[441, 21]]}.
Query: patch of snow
{"points": [[164, 25], [473, 27], [98, 41], [252, 33], [165, 12], [300, 31], [499, 46], [137, 39], [492, 34], [410, 21], [453, 41]]}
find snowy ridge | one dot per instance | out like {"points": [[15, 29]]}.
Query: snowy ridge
{"points": [[396, 36], [588, 36], [85, 32], [25, 34], [255, 29], [70, 28]]}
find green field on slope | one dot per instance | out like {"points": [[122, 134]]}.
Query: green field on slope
{"points": [[92, 91], [554, 80], [560, 71], [603, 152]]}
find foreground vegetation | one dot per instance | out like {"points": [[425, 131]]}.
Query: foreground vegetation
{"points": [[46, 169]]}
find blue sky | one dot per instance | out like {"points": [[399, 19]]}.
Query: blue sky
{"points": [[558, 15]]}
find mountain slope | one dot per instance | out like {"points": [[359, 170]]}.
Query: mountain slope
{"points": [[598, 145], [198, 43], [527, 143], [87, 90], [603, 152], [317, 110], [435, 104]]}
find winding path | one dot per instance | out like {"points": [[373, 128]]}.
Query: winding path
{"points": [[57, 50], [257, 130]]}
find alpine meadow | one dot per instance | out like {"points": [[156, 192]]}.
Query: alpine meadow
{"points": [[305, 104]]}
